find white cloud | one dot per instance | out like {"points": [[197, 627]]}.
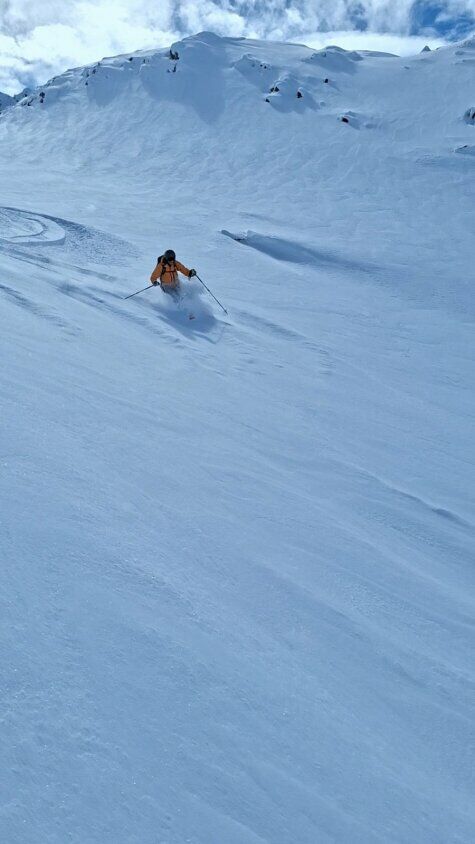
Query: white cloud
{"points": [[400, 45], [38, 40]]}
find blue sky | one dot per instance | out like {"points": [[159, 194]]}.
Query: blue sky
{"points": [[453, 21], [38, 40]]}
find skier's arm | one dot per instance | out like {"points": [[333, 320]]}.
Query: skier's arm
{"points": [[157, 272], [182, 269]]}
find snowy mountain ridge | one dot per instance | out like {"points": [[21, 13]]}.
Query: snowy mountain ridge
{"points": [[151, 64], [241, 79], [5, 101], [237, 550]]}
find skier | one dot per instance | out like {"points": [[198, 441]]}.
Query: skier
{"points": [[166, 275], [166, 272]]}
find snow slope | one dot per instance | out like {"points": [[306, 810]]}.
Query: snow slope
{"points": [[237, 598]]}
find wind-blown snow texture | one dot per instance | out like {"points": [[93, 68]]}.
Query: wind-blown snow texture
{"points": [[237, 600]]}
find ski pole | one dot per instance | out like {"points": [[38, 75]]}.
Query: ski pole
{"points": [[211, 294], [138, 291]]}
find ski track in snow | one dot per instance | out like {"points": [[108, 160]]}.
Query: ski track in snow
{"points": [[26, 228], [37, 309], [21, 231]]}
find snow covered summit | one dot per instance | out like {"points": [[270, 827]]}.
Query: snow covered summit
{"points": [[237, 592]]}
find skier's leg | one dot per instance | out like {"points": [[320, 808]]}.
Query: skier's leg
{"points": [[172, 290], [176, 294]]}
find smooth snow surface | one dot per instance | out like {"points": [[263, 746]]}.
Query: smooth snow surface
{"points": [[237, 589]]}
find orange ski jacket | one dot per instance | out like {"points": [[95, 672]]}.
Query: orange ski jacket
{"points": [[167, 274]]}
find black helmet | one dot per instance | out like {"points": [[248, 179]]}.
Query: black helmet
{"points": [[169, 255]]}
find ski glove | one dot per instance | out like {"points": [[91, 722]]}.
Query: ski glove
{"points": [[192, 273], [154, 283]]}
